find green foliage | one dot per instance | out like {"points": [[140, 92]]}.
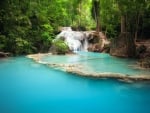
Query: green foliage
{"points": [[30, 25], [2, 42], [22, 46], [60, 47], [134, 12]]}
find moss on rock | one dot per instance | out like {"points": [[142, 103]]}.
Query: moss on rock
{"points": [[59, 47]]}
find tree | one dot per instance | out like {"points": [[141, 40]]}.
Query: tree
{"points": [[96, 13], [132, 12], [36, 22]]}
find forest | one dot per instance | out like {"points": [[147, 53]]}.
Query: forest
{"points": [[29, 26]]}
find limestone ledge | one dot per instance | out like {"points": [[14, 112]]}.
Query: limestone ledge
{"points": [[78, 69], [118, 76], [38, 56]]}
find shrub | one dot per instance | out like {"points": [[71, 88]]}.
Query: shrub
{"points": [[59, 47]]}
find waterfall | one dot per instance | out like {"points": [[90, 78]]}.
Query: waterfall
{"points": [[85, 44], [76, 40]]}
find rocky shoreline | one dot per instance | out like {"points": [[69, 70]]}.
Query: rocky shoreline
{"points": [[78, 70]]}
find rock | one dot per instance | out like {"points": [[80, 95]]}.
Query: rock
{"points": [[123, 46], [143, 53], [141, 48], [106, 48], [93, 38], [98, 42], [3, 54], [145, 62], [140, 51], [95, 47]]}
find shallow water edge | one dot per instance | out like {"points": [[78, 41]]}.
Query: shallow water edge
{"points": [[77, 70]]}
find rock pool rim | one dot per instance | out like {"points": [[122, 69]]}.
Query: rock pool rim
{"points": [[104, 75]]}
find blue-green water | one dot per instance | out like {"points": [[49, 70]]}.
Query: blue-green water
{"points": [[100, 63], [29, 87]]}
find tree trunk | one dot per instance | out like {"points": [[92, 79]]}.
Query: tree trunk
{"points": [[96, 12], [123, 25], [137, 26], [79, 20], [98, 24]]}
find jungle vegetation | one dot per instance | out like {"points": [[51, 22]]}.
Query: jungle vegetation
{"points": [[29, 26]]}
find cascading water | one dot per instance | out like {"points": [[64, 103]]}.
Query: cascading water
{"points": [[76, 41]]}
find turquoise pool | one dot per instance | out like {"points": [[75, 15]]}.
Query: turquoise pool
{"points": [[99, 63], [30, 87]]}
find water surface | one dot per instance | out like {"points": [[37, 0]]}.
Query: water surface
{"points": [[98, 62], [29, 87]]}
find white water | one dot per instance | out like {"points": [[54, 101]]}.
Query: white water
{"points": [[76, 41]]}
